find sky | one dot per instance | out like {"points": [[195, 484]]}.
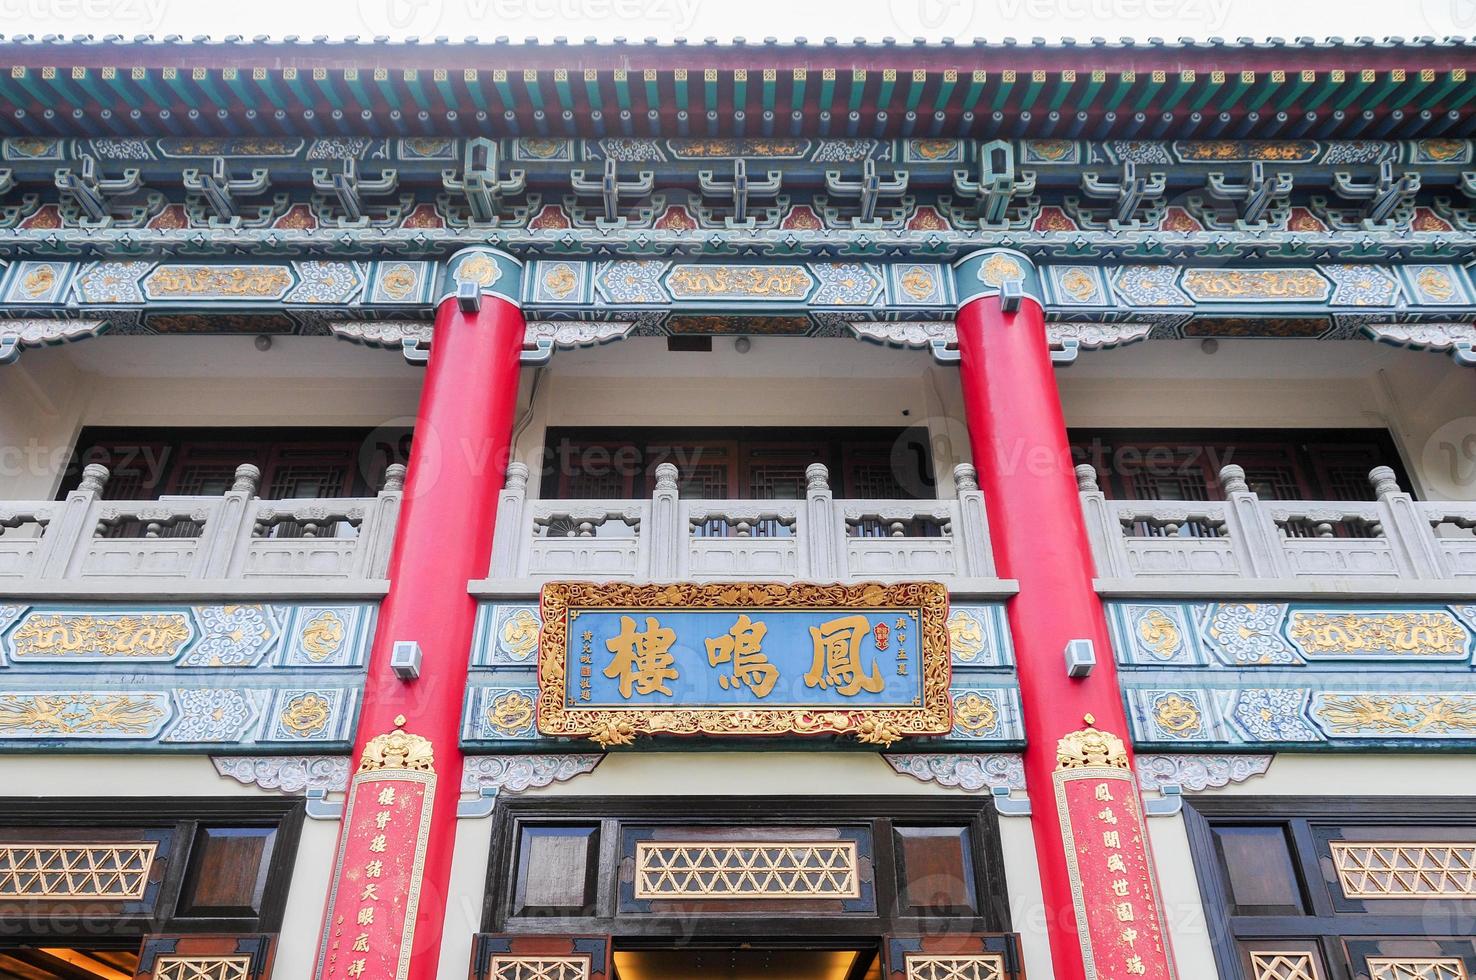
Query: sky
{"points": [[751, 19]]}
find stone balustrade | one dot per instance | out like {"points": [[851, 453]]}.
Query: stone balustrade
{"points": [[1390, 544], [666, 537], [232, 542]]}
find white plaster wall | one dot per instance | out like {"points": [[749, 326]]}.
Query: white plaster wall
{"points": [[1282, 384], [1383, 774], [188, 381], [725, 773], [191, 775], [225, 381]]}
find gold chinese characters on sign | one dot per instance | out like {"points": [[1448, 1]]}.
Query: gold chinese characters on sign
{"points": [[619, 660]]}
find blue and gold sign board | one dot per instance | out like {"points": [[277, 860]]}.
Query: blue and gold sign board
{"points": [[620, 660]]}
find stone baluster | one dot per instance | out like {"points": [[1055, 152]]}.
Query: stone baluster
{"points": [[231, 528], [1255, 539], [377, 531], [971, 529], [667, 538], [1103, 528], [65, 542], [1416, 550], [512, 536], [228, 533], [824, 534]]}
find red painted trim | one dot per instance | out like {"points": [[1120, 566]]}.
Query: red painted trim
{"points": [[444, 539], [1039, 537]]}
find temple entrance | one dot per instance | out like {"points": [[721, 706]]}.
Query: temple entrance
{"points": [[748, 961], [753, 888]]}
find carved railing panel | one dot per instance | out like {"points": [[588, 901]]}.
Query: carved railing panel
{"points": [[1390, 537], [749, 539], [182, 539], [817, 538]]}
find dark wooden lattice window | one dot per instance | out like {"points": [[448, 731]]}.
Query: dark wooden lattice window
{"points": [[147, 464], [763, 464], [1172, 464], [1326, 888]]}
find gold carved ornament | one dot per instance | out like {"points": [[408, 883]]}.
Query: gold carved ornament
{"points": [[478, 269], [1159, 634], [1091, 748], [1275, 964], [932, 966], [1416, 968], [1176, 715], [999, 269], [398, 749], [874, 726], [1405, 870], [747, 870]]}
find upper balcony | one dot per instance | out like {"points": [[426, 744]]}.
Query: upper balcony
{"points": [[818, 538], [1244, 545], [232, 544]]}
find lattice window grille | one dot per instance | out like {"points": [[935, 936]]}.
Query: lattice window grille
{"points": [[202, 968], [1404, 870], [80, 871], [976, 967], [749, 870], [539, 968], [1423, 968], [1275, 965]]}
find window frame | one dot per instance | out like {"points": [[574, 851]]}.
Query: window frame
{"points": [[1322, 925]]}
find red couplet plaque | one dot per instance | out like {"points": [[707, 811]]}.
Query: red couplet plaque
{"points": [[370, 928], [1113, 884]]}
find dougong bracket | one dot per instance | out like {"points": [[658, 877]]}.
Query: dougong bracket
{"points": [[1133, 200], [220, 192], [739, 190], [997, 188], [610, 188], [480, 183], [1257, 196], [867, 192], [350, 189], [93, 195]]}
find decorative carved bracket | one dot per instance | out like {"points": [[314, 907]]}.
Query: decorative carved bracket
{"points": [[488, 776], [313, 776], [219, 191], [349, 189], [610, 188], [1000, 773], [16, 335], [480, 183], [739, 190], [1171, 775], [867, 192], [996, 190]]}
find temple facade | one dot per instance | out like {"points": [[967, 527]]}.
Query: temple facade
{"points": [[739, 510]]}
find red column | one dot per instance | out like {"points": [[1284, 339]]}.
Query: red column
{"points": [[444, 538], [1018, 436]]}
